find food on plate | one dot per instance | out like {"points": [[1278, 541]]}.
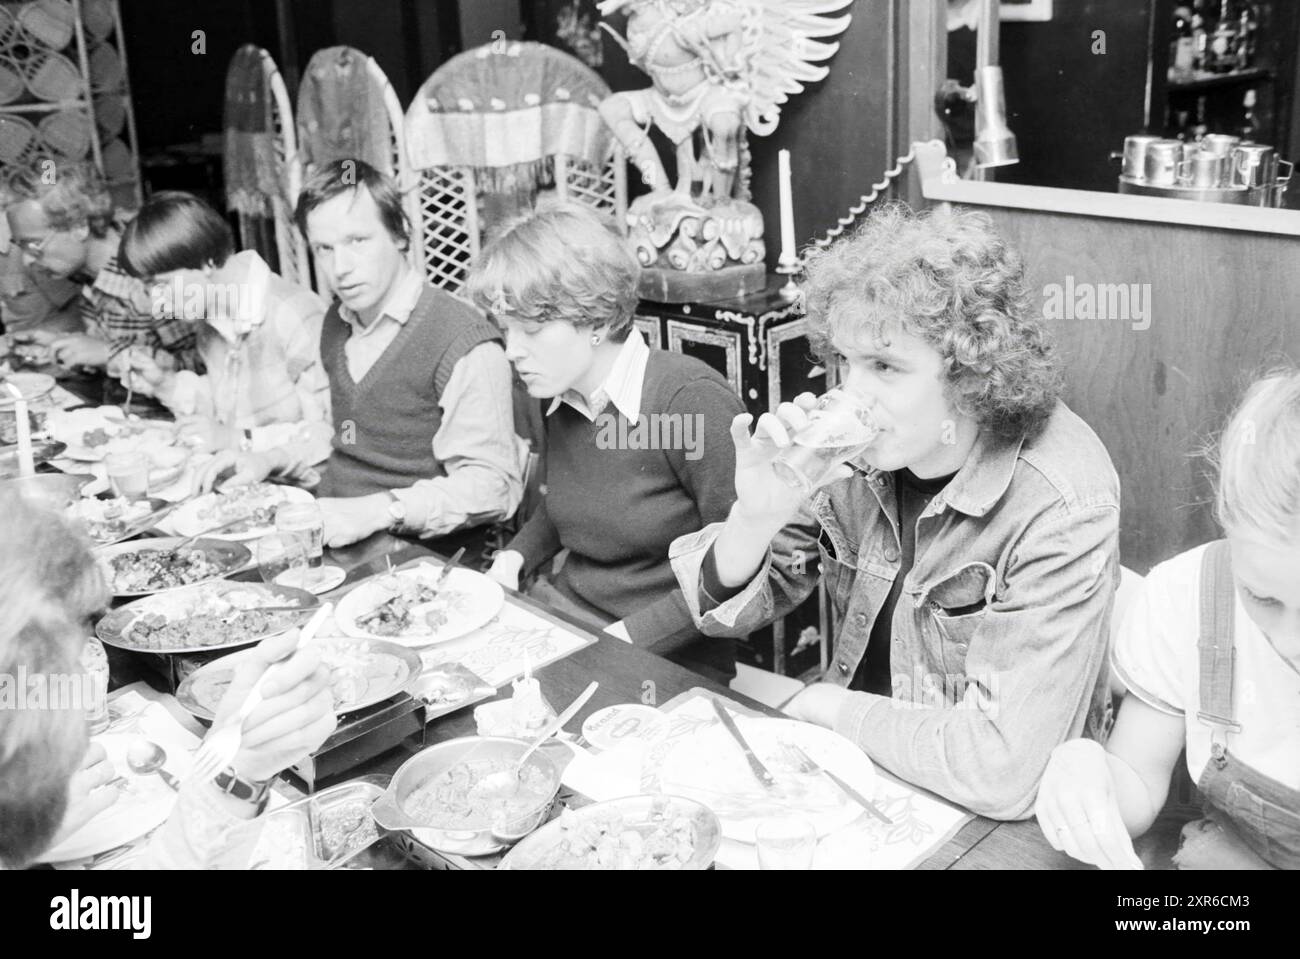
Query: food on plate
{"points": [[414, 608], [150, 570], [609, 841], [9, 425], [458, 798], [254, 503], [344, 827], [210, 620], [105, 520]]}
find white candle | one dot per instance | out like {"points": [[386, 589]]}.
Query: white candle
{"points": [[788, 255], [26, 466]]}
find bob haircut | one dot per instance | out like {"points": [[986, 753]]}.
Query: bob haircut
{"points": [[72, 195], [174, 231], [50, 586], [562, 262], [1258, 460], [347, 176], [948, 279]]}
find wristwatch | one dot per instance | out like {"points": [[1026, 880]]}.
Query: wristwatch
{"points": [[257, 793], [396, 510]]}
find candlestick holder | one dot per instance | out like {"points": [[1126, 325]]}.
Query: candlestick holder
{"points": [[790, 269]]}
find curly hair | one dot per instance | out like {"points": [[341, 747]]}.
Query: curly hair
{"points": [[72, 194], [948, 279], [562, 262]]}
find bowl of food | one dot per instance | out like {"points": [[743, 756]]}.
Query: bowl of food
{"points": [[451, 801]]}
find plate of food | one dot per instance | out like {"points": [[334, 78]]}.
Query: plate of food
{"points": [[362, 672], [408, 607], [708, 765], [9, 425], [657, 833], [148, 566], [217, 615], [42, 452], [31, 385], [144, 803], [93, 434], [109, 521], [254, 503]]}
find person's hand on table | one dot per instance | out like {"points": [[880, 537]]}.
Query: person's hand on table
{"points": [[505, 568], [296, 715], [206, 433], [1077, 808], [351, 519], [818, 704], [43, 338], [90, 791], [230, 468], [79, 349]]}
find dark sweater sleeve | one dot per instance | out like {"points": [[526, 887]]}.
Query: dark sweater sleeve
{"points": [[707, 471], [538, 541]]}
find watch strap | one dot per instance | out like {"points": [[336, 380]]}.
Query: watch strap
{"points": [[245, 790]]}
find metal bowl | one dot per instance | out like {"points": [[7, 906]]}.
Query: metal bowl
{"points": [[392, 810]]}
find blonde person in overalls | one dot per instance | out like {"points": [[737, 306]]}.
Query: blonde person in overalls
{"points": [[1210, 653]]}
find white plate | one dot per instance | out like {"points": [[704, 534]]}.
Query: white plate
{"points": [[186, 520], [475, 599], [708, 765], [144, 804], [227, 557]]}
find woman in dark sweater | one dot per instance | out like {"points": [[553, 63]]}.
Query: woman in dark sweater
{"points": [[638, 447]]}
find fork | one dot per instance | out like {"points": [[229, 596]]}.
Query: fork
{"points": [[808, 766], [220, 748]]}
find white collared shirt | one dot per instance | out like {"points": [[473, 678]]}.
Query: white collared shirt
{"points": [[622, 386], [367, 343]]}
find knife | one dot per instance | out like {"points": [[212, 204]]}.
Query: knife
{"points": [[811, 766], [760, 771]]}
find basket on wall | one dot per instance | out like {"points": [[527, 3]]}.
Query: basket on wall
{"points": [[110, 114], [17, 139], [119, 162], [106, 71], [50, 23], [12, 82], [97, 18], [52, 76], [8, 28], [67, 133]]}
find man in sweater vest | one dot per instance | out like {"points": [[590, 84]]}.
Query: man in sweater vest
{"points": [[424, 441]]}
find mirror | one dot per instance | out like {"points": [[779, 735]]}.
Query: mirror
{"points": [[1079, 78]]}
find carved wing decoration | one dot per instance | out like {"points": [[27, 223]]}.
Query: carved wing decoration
{"points": [[785, 46]]}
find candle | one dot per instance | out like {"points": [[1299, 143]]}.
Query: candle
{"points": [[26, 466], [788, 255]]}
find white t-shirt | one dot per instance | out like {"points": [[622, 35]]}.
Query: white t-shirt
{"points": [[1156, 657]]}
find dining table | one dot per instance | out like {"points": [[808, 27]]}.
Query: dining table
{"points": [[626, 674]]}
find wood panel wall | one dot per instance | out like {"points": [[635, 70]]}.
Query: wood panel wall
{"points": [[1224, 307]]}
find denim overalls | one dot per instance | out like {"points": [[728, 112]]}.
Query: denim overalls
{"points": [[1265, 813]]}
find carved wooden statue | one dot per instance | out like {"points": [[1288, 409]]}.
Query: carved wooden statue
{"points": [[719, 69]]}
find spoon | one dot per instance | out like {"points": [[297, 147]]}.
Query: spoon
{"points": [[145, 757], [503, 784]]}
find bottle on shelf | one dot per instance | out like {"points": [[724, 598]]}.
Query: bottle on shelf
{"points": [[1223, 42], [1248, 127], [1182, 55], [1200, 38], [1247, 25]]}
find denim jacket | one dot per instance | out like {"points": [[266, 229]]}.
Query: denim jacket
{"points": [[1000, 635]]}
